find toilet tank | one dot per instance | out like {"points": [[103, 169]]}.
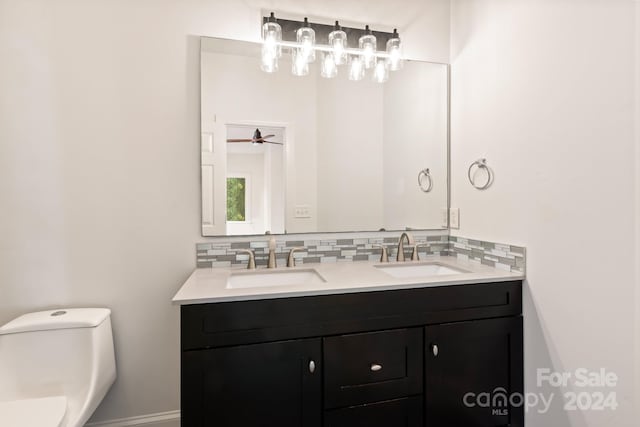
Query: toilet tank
{"points": [[67, 352]]}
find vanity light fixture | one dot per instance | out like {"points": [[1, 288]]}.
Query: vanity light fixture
{"points": [[339, 43], [356, 68], [300, 41], [381, 72], [394, 50], [329, 67], [299, 62], [306, 38], [368, 45], [271, 47], [269, 63]]}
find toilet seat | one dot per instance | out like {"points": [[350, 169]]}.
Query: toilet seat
{"points": [[42, 412]]}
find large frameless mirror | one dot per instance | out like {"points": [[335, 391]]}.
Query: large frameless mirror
{"points": [[297, 154]]}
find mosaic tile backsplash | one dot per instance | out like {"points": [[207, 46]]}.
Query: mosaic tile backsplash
{"points": [[224, 252], [498, 255]]}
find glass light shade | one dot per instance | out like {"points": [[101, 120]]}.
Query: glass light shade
{"points": [[271, 37], [338, 42], [356, 68], [269, 62], [299, 64], [329, 68], [381, 72], [394, 50], [368, 45], [306, 36]]}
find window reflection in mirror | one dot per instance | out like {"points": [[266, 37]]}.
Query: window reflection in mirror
{"points": [[237, 199]]}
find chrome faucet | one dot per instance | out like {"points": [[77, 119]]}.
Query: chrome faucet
{"points": [[291, 261], [251, 265], [400, 254]]}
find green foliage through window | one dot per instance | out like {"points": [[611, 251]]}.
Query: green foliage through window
{"points": [[236, 195]]}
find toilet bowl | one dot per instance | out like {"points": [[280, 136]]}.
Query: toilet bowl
{"points": [[43, 412], [56, 366]]}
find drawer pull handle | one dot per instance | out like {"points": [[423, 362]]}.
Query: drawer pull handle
{"points": [[435, 350], [375, 367], [312, 366]]}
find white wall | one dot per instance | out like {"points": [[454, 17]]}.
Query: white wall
{"points": [[415, 136], [544, 91], [350, 154], [99, 160]]}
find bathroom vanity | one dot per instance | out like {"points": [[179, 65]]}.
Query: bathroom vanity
{"points": [[333, 343], [360, 348]]}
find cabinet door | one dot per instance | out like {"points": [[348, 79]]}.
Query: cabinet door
{"points": [[273, 384], [471, 371]]}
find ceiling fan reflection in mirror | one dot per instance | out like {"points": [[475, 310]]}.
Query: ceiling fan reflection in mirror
{"points": [[257, 139]]}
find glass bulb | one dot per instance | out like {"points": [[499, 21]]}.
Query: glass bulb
{"points": [[329, 68], [271, 37], [381, 72], [368, 45], [269, 63], [394, 49], [306, 36], [299, 64], [270, 45], [339, 44], [356, 68]]}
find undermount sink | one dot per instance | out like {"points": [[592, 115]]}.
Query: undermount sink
{"points": [[265, 279], [403, 271]]}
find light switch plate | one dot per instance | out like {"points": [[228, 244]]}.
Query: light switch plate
{"points": [[445, 217], [302, 211], [454, 218]]}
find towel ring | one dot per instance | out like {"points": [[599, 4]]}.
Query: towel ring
{"points": [[425, 182], [481, 164]]}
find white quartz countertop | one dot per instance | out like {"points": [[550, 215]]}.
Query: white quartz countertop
{"points": [[207, 285]]}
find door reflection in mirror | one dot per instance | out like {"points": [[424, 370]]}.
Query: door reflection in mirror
{"points": [[255, 179]]}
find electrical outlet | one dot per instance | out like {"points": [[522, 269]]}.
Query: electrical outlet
{"points": [[302, 211], [454, 218]]}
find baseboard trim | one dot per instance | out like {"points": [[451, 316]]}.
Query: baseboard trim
{"points": [[170, 418]]}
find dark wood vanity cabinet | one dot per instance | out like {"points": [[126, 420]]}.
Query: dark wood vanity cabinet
{"points": [[376, 359], [465, 359], [404, 412], [271, 384]]}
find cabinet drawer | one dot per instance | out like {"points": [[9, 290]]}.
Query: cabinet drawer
{"points": [[406, 412], [372, 367]]}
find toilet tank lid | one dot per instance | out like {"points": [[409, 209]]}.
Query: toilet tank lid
{"points": [[64, 318]]}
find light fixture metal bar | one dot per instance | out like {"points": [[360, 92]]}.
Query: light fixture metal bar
{"points": [[289, 28]]}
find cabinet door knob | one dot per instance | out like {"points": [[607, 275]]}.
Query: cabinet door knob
{"points": [[434, 350], [312, 366], [376, 367]]}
